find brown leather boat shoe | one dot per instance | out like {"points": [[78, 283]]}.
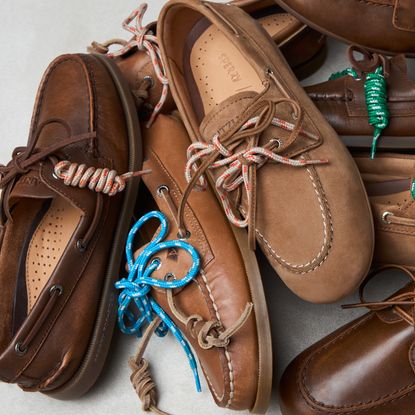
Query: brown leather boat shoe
{"points": [[389, 181], [373, 98], [271, 155], [366, 367], [222, 311], [385, 26], [62, 243], [139, 58]]}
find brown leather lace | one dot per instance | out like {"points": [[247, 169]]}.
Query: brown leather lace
{"points": [[392, 219], [27, 158], [23, 160], [21, 347], [396, 301], [234, 138], [209, 334]]}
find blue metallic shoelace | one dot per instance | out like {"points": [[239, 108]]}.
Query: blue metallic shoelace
{"points": [[136, 287]]}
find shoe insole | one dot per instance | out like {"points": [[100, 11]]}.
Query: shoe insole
{"points": [[277, 23], [219, 68], [38, 210], [47, 245]]}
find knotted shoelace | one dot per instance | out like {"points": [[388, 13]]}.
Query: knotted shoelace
{"points": [[376, 98], [237, 164], [136, 306], [100, 180], [143, 39], [397, 301]]}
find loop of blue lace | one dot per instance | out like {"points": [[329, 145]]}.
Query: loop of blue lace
{"points": [[135, 295], [376, 101]]}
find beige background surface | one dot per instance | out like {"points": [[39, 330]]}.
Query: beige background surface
{"points": [[33, 33]]}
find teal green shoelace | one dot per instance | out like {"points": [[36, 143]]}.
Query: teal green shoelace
{"points": [[376, 101]]}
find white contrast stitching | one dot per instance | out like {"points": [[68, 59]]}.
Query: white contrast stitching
{"points": [[325, 240], [228, 357]]}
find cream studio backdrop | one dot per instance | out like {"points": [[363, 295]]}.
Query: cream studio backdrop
{"points": [[35, 32]]}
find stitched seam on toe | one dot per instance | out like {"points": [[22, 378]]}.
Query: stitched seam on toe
{"points": [[371, 3], [227, 355], [327, 241], [357, 407]]}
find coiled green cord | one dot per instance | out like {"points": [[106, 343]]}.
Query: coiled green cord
{"points": [[376, 101]]}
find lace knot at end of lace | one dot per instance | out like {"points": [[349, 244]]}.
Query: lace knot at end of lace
{"points": [[100, 180]]}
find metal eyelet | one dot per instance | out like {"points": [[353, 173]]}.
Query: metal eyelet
{"points": [[269, 71], [277, 141], [169, 277], [81, 246], [150, 80], [158, 260], [385, 217], [18, 349], [161, 189], [56, 288], [187, 235]]}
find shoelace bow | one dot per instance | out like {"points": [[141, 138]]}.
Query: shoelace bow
{"points": [[136, 307], [143, 40], [372, 68], [239, 167], [397, 302]]}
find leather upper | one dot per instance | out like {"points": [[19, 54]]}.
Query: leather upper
{"points": [[388, 180], [221, 291], [76, 96], [313, 218], [299, 44], [342, 102], [365, 367], [383, 25]]}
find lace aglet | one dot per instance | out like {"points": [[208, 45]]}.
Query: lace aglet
{"points": [[198, 385], [374, 145], [142, 173], [316, 162]]}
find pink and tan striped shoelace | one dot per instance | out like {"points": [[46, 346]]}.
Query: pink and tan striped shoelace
{"points": [[237, 164], [100, 180], [143, 39]]}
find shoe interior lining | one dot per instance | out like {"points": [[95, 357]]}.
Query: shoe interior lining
{"points": [[45, 239], [218, 68], [47, 246]]}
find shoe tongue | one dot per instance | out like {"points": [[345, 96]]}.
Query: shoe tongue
{"points": [[226, 115], [30, 186], [232, 113]]}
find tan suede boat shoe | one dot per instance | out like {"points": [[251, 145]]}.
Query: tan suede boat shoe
{"points": [[222, 312], [273, 159], [303, 48], [366, 367], [65, 213], [139, 58], [385, 26], [389, 181], [372, 103]]}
